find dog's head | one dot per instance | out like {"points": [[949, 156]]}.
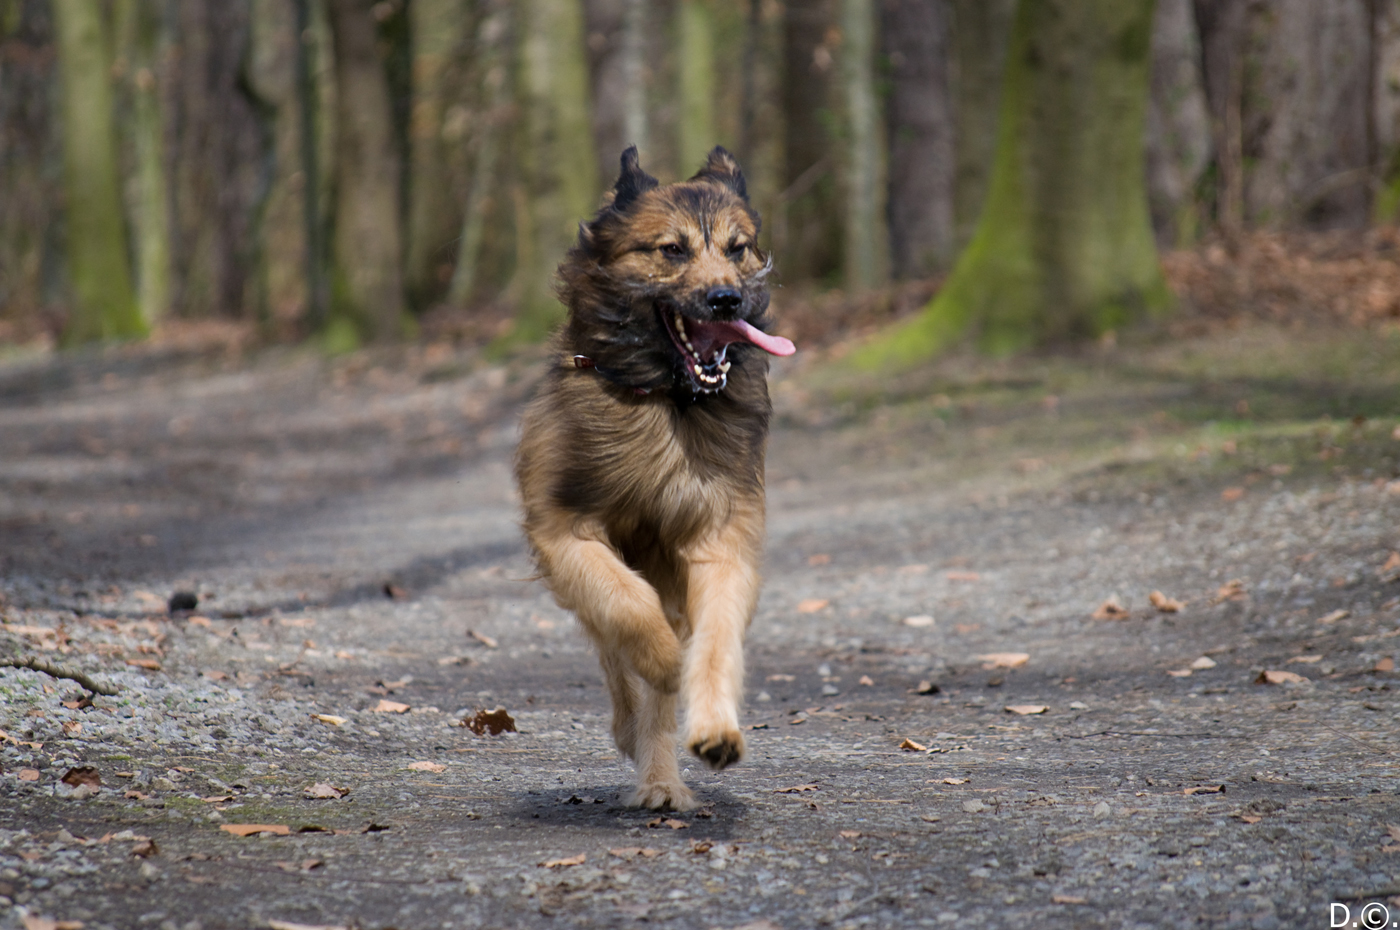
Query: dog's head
{"points": [[666, 284]]}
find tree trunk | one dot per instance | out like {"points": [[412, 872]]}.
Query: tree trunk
{"points": [[1178, 125], [437, 28], [282, 234], [695, 54], [920, 132], [864, 262], [143, 47], [1222, 29], [1064, 247], [1385, 85], [367, 298], [557, 161], [806, 234], [981, 31], [104, 303]]}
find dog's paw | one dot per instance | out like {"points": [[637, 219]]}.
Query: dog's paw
{"points": [[718, 750], [673, 796]]}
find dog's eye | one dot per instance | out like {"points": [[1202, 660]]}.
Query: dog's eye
{"points": [[672, 250], [736, 251]]}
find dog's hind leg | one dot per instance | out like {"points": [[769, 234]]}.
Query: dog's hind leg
{"points": [[614, 603], [723, 591], [625, 688], [659, 782]]}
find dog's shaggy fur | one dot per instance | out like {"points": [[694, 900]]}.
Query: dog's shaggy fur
{"points": [[641, 459]]}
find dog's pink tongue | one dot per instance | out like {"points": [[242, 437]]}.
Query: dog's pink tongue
{"points": [[724, 333]]}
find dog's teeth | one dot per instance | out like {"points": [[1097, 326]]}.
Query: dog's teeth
{"points": [[698, 370], [725, 367], [680, 325], [689, 346]]}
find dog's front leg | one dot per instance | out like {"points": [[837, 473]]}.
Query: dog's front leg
{"points": [[721, 595], [615, 604]]}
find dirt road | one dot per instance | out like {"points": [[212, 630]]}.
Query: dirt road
{"points": [[942, 732]]}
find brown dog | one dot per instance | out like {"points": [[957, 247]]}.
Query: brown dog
{"points": [[641, 459]]}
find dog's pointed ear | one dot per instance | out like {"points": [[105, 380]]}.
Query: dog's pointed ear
{"points": [[722, 167], [633, 182]]}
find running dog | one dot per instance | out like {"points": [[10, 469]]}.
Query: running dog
{"points": [[640, 462]]}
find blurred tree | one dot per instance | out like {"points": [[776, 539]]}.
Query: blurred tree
{"points": [[1064, 247], [1222, 30], [805, 223], [981, 30], [1386, 83], [557, 160], [1178, 126], [617, 65], [698, 87], [367, 297], [920, 133], [143, 43], [864, 260], [438, 29], [104, 303]]}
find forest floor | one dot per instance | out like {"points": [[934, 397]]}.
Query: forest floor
{"points": [[948, 726]]}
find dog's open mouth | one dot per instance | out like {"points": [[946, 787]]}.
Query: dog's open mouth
{"points": [[704, 345]]}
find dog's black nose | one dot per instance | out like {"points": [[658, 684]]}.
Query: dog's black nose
{"points": [[724, 299]]}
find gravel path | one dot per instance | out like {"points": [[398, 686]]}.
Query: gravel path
{"points": [[349, 529]]}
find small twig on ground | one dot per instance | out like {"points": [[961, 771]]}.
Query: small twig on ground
{"points": [[59, 671]]}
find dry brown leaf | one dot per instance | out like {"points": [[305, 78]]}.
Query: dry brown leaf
{"points": [[151, 665], [82, 775], [1230, 495], [955, 781], [493, 722], [72, 727], [1250, 818], [821, 558], [1026, 710], [1004, 659], [1275, 677], [251, 829], [811, 605], [867, 681], [850, 834], [1386, 664], [332, 719], [909, 744], [288, 925], [214, 674], [487, 641], [1390, 571], [1067, 899], [1110, 609], [1203, 663], [782, 678], [1204, 789], [1167, 605], [1334, 616], [668, 822], [1179, 672], [922, 620], [386, 706], [959, 575], [1232, 590], [925, 687], [427, 767], [1304, 660], [795, 789], [144, 849], [35, 922], [324, 792], [565, 863], [217, 798]]}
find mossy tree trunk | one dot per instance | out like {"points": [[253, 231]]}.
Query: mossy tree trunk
{"points": [[1064, 247], [557, 161], [367, 299], [980, 33], [695, 64], [104, 302]]}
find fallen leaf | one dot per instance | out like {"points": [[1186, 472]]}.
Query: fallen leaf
{"points": [[867, 681], [1250, 818], [1204, 789], [1232, 590], [324, 792], [821, 558], [1026, 710], [487, 641], [145, 849], [700, 847], [1004, 659], [1110, 609], [217, 798], [35, 922], [1229, 495], [1334, 616], [1304, 660], [811, 605], [491, 722], [631, 852], [956, 781], [332, 719], [850, 834], [1203, 663], [149, 664], [288, 925], [925, 687], [795, 789], [1067, 899], [1179, 672], [82, 775], [668, 822], [973, 807], [427, 767], [1273, 677], [919, 621], [565, 863], [1390, 571], [1386, 664], [251, 829], [135, 795], [958, 575], [1167, 605], [214, 674], [386, 706], [72, 727], [781, 678], [911, 745], [394, 592]]}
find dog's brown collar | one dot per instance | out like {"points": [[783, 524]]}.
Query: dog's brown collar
{"points": [[583, 361]]}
